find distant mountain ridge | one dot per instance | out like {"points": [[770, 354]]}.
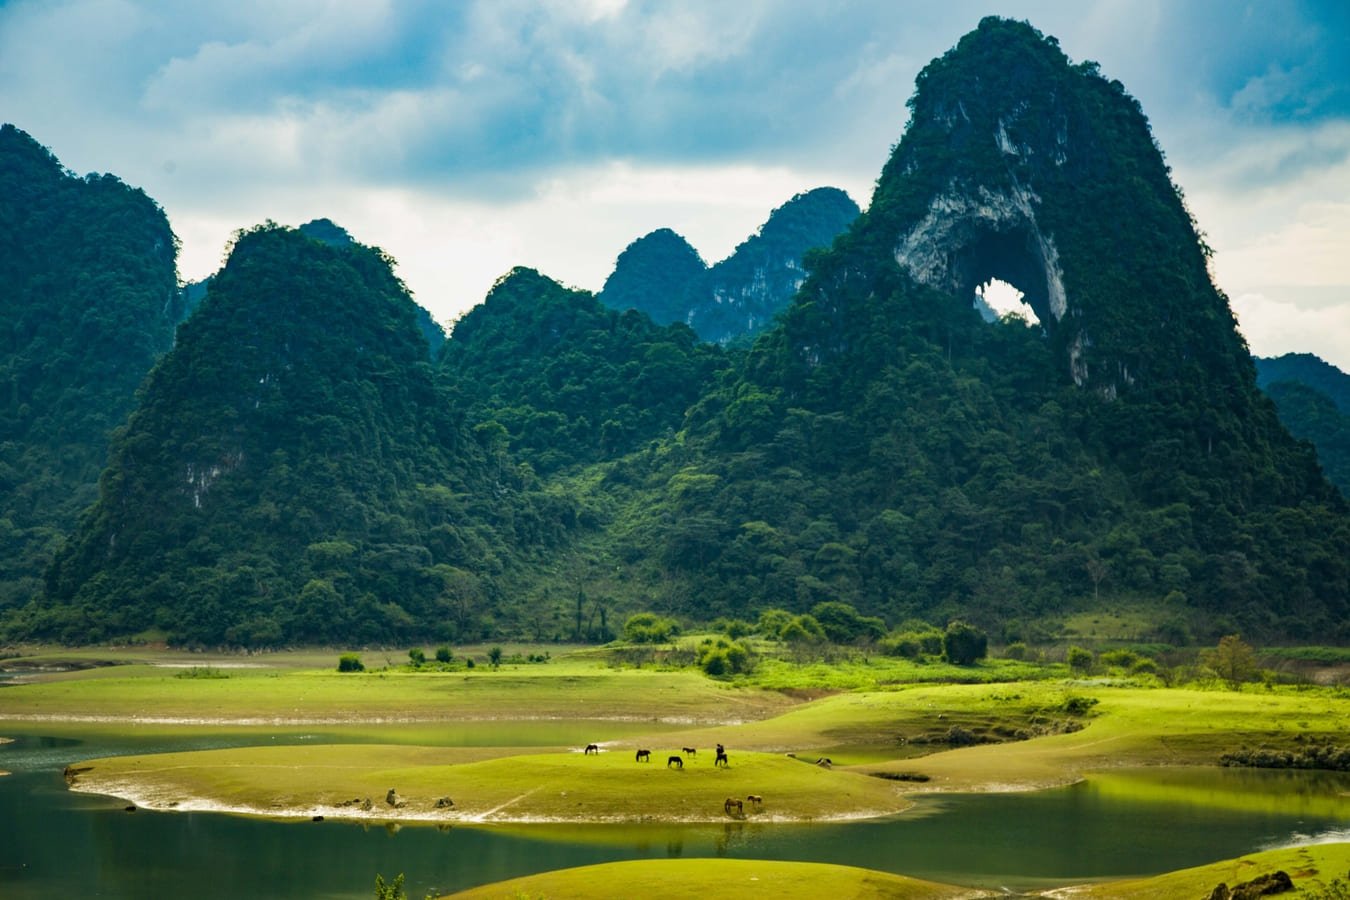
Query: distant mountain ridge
{"points": [[1313, 399], [661, 275]]}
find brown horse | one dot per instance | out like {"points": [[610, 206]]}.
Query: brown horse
{"points": [[721, 758], [755, 799], [644, 756], [689, 751], [676, 762], [732, 803]]}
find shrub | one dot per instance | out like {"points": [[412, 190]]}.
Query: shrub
{"points": [[772, 622], [350, 662], [1118, 659], [1145, 666], [1016, 650], [443, 654], [723, 657], [495, 656], [1079, 660], [964, 644], [649, 628], [417, 657], [732, 628]]}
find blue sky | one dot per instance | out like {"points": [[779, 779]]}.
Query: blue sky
{"points": [[468, 137]]}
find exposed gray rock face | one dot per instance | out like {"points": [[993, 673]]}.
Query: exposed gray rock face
{"points": [[967, 235]]}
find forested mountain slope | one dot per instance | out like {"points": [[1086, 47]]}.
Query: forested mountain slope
{"points": [[568, 380], [661, 275], [88, 298], [887, 447], [293, 474]]}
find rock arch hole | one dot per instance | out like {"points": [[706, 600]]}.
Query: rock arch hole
{"points": [[997, 298]]}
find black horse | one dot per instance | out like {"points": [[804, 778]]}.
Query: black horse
{"points": [[676, 762], [592, 748], [721, 758], [644, 756]]}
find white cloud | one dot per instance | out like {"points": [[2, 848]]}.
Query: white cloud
{"points": [[1274, 327]]}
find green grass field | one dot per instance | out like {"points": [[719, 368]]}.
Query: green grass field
{"points": [[704, 879]]}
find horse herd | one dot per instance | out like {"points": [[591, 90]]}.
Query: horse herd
{"points": [[677, 762]]}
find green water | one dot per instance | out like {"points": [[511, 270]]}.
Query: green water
{"points": [[55, 843]]}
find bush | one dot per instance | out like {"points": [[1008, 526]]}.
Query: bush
{"points": [[1145, 666], [1118, 659], [1079, 660], [350, 662], [495, 656], [417, 657], [722, 657], [1015, 650], [732, 628], [772, 622], [443, 654], [964, 644], [649, 628]]}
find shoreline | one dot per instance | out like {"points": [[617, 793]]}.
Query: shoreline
{"points": [[381, 815]]}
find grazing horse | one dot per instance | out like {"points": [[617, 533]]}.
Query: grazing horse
{"points": [[592, 748], [733, 803], [676, 762], [755, 799], [689, 751], [644, 756], [721, 759]]}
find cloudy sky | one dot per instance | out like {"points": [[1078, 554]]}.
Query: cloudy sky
{"points": [[468, 137]]}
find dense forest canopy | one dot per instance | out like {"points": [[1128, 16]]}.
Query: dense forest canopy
{"points": [[293, 473], [299, 469], [88, 298]]}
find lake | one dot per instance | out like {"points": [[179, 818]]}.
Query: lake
{"points": [[1127, 823]]}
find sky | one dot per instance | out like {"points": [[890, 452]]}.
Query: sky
{"points": [[466, 138]]}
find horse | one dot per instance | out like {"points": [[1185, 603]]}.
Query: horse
{"points": [[676, 762], [756, 799], [721, 758], [825, 762], [732, 803], [592, 748], [644, 756], [689, 751]]}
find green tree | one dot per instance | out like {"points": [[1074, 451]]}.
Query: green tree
{"points": [[964, 644], [443, 654], [1079, 659], [1233, 661], [417, 657], [495, 657]]}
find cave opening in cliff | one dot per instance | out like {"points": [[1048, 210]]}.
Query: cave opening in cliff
{"points": [[1005, 271]]}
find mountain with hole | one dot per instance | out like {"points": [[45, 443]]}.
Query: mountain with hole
{"points": [[1008, 393]]}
